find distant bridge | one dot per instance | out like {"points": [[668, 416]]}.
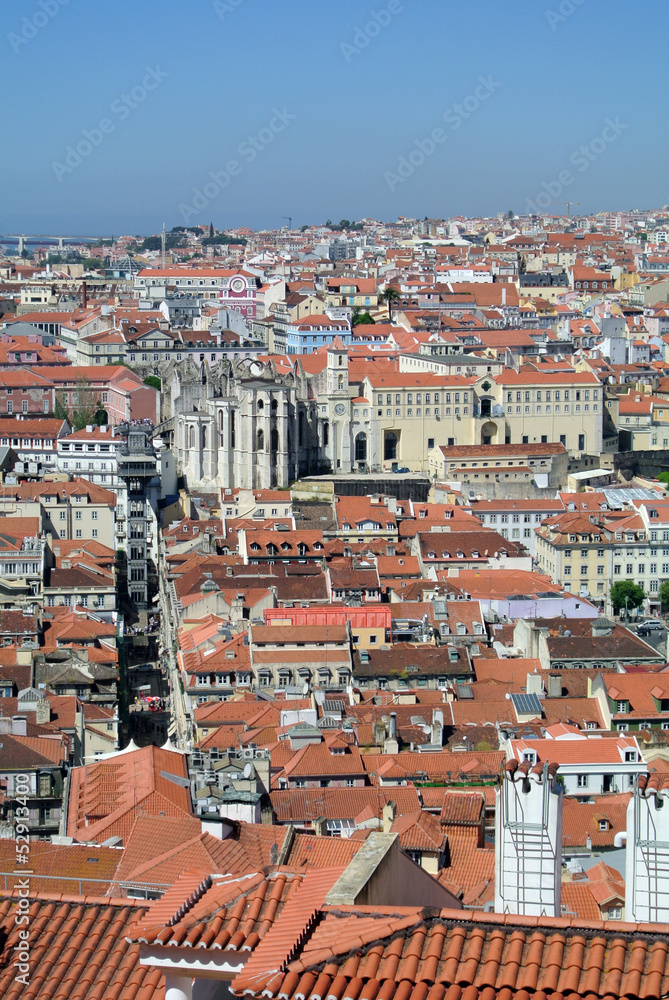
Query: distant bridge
{"points": [[42, 240]]}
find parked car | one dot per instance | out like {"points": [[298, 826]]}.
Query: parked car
{"points": [[650, 626]]}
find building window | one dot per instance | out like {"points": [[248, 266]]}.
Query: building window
{"points": [[582, 780]]}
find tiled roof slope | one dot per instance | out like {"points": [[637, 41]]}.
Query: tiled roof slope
{"points": [[77, 951], [106, 797], [304, 805], [236, 914], [411, 954], [60, 868]]}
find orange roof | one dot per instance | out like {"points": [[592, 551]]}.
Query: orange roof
{"points": [[77, 948], [106, 797]]}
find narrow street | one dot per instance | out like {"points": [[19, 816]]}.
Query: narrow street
{"points": [[148, 690]]}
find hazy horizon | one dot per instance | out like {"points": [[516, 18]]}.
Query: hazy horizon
{"points": [[245, 112]]}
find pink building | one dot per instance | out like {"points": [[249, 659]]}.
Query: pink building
{"points": [[123, 394]]}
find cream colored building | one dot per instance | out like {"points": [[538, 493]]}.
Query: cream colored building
{"points": [[400, 418], [78, 509], [587, 553]]}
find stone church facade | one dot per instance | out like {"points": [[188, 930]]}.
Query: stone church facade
{"points": [[259, 424]]}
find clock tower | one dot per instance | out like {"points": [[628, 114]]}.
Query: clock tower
{"points": [[338, 447], [337, 368]]}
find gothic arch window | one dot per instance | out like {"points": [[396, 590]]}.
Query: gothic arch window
{"points": [[361, 447], [340, 384], [300, 429], [261, 405], [220, 421], [204, 437], [191, 437], [260, 440], [341, 360], [326, 434], [274, 439], [275, 405], [390, 446], [232, 428]]}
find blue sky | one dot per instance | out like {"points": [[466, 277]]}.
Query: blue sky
{"points": [[319, 107]]}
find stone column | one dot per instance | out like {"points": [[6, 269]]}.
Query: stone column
{"points": [[178, 987]]}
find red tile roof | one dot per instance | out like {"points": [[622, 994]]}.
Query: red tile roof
{"points": [[77, 950], [106, 797], [303, 805], [412, 954]]}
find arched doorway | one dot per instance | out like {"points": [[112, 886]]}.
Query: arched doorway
{"points": [[361, 447], [489, 433], [390, 442]]}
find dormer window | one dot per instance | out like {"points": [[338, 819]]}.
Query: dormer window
{"points": [[530, 756], [630, 757]]}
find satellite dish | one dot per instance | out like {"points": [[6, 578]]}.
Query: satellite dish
{"points": [[248, 770]]}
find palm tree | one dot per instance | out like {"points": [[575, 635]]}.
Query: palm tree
{"points": [[390, 295]]}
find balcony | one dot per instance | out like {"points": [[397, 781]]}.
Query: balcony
{"points": [[131, 467], [485, 413]]}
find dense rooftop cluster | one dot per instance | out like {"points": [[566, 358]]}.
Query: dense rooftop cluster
{"points": [[332, 574]]}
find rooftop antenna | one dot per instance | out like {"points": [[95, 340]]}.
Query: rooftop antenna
{"points": [[162, 247], [290, 220]]}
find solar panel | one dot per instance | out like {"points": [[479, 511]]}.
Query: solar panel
{"points": [[527, 704]]}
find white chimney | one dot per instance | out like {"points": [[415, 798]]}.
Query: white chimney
{"points": [[535, 684], [528, 840], [647, 851], [393, 726]]}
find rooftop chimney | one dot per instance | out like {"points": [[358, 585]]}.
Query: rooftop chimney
{"points": [[647, 853], [528, 840], [388, 816]]}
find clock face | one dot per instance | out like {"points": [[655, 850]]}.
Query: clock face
{"points": [[237, 284], [340, 409]]}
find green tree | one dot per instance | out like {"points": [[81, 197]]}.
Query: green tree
{"points": [[154, 381], [664, 595], [626, 594], [664, 478], [84, 406], [390, 295], [221, 240], [359, 318], [211, 230], [510, 214]]}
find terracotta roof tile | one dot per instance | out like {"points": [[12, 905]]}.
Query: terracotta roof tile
{"points": [[412, 954], [77, 950]]}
